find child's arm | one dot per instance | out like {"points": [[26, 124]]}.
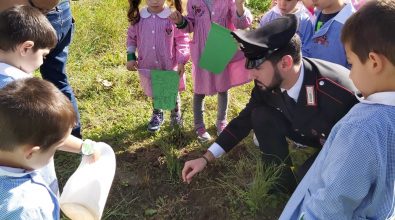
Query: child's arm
{"points": [[184, 23], [131, 44], [241, 16], [75, 145], [181, 41]]}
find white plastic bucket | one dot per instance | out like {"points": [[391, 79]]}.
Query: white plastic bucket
{"points": [[85, 192]]}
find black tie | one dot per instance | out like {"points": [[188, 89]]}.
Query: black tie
{"points": [[289, 102]]}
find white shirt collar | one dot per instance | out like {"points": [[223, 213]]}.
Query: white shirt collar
{"points": [[13, 72], [384, 98], [294, 91], [144, 13], [344, 14], [13, 172]]}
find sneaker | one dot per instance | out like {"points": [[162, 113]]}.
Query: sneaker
{"points": [[175, 120], [202, 135], [156, 121], [221, 126]]}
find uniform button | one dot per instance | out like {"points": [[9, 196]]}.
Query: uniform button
{"points": [[323, 135], [212, 13], [153, 47], [296, 130], [321, 83], [156, 62], [153, 32], [302, 135]]}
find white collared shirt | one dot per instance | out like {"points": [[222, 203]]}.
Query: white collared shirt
{"points": [[384, 98]]}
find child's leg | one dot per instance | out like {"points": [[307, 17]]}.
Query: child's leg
{"points": [[175, 115], [222, 111], [198, 109]]}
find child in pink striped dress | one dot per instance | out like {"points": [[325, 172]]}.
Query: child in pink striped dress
{"points": [[231, 14], [160, 46]]}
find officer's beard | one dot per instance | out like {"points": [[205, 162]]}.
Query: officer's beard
{"points": [[274, 84]]}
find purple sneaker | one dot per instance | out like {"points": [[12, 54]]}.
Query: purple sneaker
{"points": [[156, 121]]}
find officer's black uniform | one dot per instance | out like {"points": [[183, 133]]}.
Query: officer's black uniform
{"points": [[326, 95]]}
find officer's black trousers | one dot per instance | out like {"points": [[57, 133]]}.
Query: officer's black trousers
{"points": [[271, 128]]}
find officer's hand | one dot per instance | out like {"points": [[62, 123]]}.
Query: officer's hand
{"points": [[192, 167], [176, 17]]}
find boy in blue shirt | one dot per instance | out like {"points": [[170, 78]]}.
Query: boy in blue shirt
{"points": [[26, 37], [353, 176], [36, 119], [325, 43]]}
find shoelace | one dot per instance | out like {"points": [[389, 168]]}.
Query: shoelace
{"points": [[155, 119]]}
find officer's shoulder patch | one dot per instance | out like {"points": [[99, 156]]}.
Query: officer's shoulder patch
{"points": [[334, 90]]}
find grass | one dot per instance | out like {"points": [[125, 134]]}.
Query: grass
{"points": [[115, 110]]}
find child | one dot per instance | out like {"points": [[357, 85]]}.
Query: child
{"points": [[36, 119], [231, 14], [353, 176], [160, 46], [283, 7], [26, 37], [325, 43]]}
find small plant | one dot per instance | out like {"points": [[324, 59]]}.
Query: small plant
{"points": [[171, 159], [252, 182]]}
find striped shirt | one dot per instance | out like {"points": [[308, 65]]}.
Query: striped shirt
{"points": [[25, 196], [353, 176]]}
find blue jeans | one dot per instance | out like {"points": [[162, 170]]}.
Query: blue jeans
{"points": [[54, 66]]}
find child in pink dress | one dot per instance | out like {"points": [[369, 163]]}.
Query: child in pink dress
{"points": [[228, 13], [160, 46]]}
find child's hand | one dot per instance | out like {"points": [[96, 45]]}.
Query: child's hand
{"points": [[181, 69], [132, 65], [176, 17], [93, 157], [240, 2], [240, 7]]}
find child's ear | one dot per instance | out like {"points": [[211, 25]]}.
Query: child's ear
{"points": [[376, 62], [25, 47], [30, 151]]}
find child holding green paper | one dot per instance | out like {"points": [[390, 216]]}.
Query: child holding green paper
{"points": [[230, 14], [160, 46]]}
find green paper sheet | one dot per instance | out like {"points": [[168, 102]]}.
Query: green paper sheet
{"points": [[164, 88], [219, 50]]}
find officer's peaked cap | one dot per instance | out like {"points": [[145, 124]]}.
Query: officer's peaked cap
{"points": [[260, 43]]}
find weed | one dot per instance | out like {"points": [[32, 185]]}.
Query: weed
{"points": [[252, 182]]}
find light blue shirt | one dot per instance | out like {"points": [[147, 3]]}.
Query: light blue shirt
{"points": [[325, 44], [305, 29], [9, 73], [353, 176], [25, 196]]}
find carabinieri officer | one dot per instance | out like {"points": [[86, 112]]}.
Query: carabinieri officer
{"points": [[296, 98]]}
